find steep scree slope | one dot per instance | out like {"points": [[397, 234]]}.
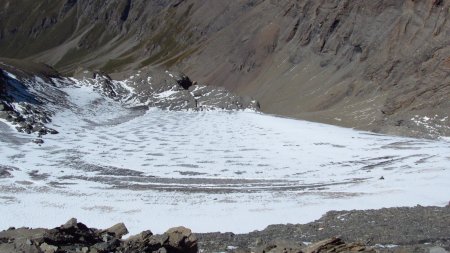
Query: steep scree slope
{"points": [[380, 65]]}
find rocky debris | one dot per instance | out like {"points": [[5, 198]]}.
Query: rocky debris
{"points": [[101, 82], [26, 96], [216, 97], [30, 99], [336, 245], [168, 90], [405, 229], [279, 246], [333, 61], [328, 245], [75, 237], [400, 230]]}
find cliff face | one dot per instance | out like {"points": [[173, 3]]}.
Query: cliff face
{"points": [[381, 65]]}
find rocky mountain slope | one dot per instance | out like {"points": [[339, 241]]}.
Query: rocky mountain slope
{"points": [[32, 93], [378, 65]]}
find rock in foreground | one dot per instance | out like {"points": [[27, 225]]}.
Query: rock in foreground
{"points": [[77, 237], [74, 236]]}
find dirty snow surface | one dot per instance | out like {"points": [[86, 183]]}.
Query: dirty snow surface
{"points": [[210, 171]]}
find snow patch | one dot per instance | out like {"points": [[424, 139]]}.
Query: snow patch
{"points": [[10, 75]]}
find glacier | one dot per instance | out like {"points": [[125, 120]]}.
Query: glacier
{"points": [[207, 170]]}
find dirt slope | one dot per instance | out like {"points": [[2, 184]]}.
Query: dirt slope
{"points": [[380, 65]]}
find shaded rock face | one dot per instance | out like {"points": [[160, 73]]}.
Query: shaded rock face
{"points": [[373, 65], [24, 99]]}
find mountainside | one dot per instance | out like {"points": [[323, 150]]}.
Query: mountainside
{"points": [[32, 93], [379, 65]]}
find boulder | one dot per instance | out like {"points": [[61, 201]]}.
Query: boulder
{"points": [[46, 248], [38, 141], [70, 223], [118, 230], [143, 242], [180, 239]]}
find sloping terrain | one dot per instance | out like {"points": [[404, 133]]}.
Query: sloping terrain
{"points": [[32, 93], [208, 170], [380, 65]]}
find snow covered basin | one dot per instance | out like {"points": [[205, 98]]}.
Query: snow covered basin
{"points": [[210, 171]]}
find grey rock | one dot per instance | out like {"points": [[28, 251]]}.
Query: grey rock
{"points": [[70, 223], [38, 141], [4, 115], [180, 239], [5, 172], [107, 246], [118, 230], [438, 250], [280, 246], [46, 248]]}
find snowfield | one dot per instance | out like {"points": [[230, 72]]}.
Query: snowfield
{"points": [[209, 171]]}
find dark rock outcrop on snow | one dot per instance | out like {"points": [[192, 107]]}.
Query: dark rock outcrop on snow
{"points": [[173, 90]]}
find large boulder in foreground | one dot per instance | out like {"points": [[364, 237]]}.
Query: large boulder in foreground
{"points": [[180, 239]]}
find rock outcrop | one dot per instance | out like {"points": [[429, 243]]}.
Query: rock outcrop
{"points": [[28, 93], [33, 93], [75, 237]]}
